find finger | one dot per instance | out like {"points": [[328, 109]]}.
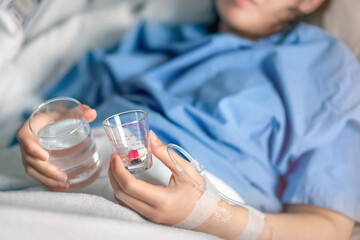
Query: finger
{"points": [[43, 119], [129, 201], [90, 114], [54, 189], [24, 163], [114, 185], [121, 202], [160, 151], [29, 144], [51, 183], [57, 189], [185, 171], [139, 189], [46, 168]]}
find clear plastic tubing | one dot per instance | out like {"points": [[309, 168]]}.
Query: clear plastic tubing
{"points": [[200, 168]]}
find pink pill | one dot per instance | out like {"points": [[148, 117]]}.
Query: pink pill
{"points": [[137, 153]]}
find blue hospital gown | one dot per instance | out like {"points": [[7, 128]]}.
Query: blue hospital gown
{"points": [[278, 119]]}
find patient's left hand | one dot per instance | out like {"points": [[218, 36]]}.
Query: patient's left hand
{"points": [[35, 158], [166, 205]]}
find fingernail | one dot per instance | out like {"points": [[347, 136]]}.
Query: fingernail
{"points": [[43, 155], [62, 177], [86, 107], [153, 136]]}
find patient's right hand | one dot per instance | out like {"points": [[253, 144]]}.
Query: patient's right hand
{"points": [[35, 158]]}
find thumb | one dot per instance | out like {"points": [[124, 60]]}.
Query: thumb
{"points": [[187, 171], [159, 149], [90, 114]]}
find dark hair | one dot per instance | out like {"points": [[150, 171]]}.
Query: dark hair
{"points": [[216, 21]]}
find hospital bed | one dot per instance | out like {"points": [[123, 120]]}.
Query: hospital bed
{"points": [[51, 46]]}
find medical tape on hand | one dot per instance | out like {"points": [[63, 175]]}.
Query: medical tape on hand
{"points": [[255, 225], [208, 204], [203, 209]]}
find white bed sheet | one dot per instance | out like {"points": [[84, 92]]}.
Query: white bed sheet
{"points": [[50, 53]]}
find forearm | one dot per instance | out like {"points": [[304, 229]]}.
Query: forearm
{"points": [[301, 222], [229, 222], [308, 222]]}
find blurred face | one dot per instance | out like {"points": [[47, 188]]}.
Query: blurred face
{"points": [[257, 18]]}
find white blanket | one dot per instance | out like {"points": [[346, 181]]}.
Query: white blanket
{"points": [[46, 215], [89, 213]]}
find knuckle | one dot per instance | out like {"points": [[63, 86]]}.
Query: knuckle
{"points": [[164, 205], [53, 184], [18, 134], [167, 207], [31, 148], [158, 217], [28, 170], [118, 196], [188, 168], [50, 183], [119, 200], [128, 185], [27, 159], [20, 131], [28, 147]]}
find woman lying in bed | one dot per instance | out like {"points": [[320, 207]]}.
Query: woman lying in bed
{"points": [[269, 106]]}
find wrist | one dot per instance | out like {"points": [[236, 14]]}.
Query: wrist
{"points": [[226, 221], [268, 232]]}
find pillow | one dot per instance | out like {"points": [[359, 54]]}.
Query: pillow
{"points": [[179, 11], [342, 18]]}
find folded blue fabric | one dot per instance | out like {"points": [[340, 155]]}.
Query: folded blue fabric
{"points": [[278, 119]]}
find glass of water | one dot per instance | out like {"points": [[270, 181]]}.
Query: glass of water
{"points": [[62, 130], [128, 133]]}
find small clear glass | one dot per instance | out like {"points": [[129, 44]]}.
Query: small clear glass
{"points": [[128, 133], [62, 130]]}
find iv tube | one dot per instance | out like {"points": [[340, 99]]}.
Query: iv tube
{"points": [[200, 168]]}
